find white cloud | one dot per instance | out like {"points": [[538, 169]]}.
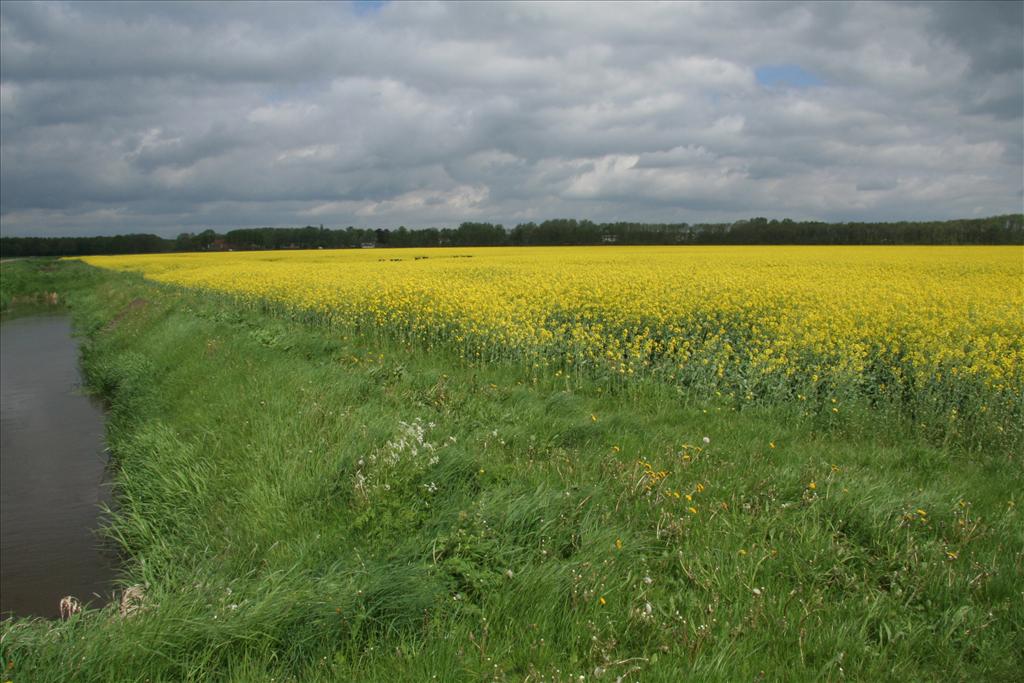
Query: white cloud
{"points": [[171, 116]]}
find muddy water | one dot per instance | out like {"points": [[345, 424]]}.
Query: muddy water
{"points": [[52, 472]]}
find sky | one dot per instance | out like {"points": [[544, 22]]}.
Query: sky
{"points": [[167, 118]]}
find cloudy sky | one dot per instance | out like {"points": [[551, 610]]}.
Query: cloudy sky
{"points": [[168, 118]]}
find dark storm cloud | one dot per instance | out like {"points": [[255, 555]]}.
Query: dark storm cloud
{"points": [[179, 116]]}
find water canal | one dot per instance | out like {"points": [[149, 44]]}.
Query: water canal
{"points": [[53, 472]]}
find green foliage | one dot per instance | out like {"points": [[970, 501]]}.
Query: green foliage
{"points": [[37, 285], [1007, 229], [11, 247]]}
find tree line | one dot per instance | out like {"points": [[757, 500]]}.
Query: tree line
{"points": [[1005, 229], [82, 246]]}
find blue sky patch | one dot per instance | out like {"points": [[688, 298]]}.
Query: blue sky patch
{"points": [[364, 7], [786, 75]]}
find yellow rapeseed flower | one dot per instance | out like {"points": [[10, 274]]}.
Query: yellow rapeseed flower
{"points": [[912, 321]]}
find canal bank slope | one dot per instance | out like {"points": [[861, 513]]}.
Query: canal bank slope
{"points": [[301, 503]]}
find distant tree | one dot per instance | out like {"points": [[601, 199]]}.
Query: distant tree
{"points": [[184, 242], [1004, 229], [480, 234], [205, 239]]}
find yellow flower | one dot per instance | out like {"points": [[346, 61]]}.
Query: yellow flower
{"points": [[618, 544], [840, 314], [692, 510], [812, 486], [602, 600]]}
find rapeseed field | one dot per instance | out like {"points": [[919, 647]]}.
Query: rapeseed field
{"points": [[935, 332], [300, 500]]}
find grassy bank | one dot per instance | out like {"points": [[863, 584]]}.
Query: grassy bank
{"points": [[29, 286], [300, 503]]}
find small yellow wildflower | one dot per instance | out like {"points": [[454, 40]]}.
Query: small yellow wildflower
{"points": [[692, 510], [618, 544], [812, 486], [602, 600]]}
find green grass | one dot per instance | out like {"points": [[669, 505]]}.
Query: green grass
{"points": [[28, 286], [286, 525]]}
